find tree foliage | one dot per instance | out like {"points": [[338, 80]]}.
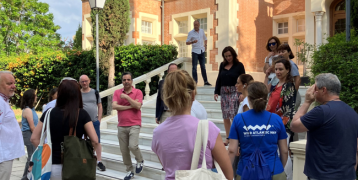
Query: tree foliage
{"points": [[113, 23], [26, 26], [77, 42], [340, 58], [354, 14]]}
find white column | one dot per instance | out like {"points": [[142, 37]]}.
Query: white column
{"points": [[147, 89], [298, 148], [318, 15]]}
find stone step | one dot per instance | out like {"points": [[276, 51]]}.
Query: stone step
{"points": [[152, 170], [212, 114], [211, 104], [111, 134], [149, 127], [111, 174], [112, 147]]}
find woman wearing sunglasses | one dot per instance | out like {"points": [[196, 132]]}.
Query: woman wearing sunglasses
{"points": [[272, 44]]}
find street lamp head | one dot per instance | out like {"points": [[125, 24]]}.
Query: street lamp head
{"points": [[97, 4]]}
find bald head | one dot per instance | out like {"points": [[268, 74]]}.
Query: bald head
{"points": [[84, 82], [7, 83]]}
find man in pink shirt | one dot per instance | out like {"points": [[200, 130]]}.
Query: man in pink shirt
{"points": [[127, 102]]}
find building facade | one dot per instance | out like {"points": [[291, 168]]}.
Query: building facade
{"points": [[246, 25]]}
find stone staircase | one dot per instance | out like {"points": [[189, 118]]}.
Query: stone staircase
{"points": [[111, 154]]}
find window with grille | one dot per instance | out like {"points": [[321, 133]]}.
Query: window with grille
{"points": [[300, 25], [183, 27], [283, 28], [203, 23], [147, 27], [182, 49]]}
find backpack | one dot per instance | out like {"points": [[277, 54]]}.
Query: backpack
{"points": [[257, 168], [97, 95]]}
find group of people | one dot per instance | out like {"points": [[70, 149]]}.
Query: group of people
{"points": [[73, 104], [258, 118]]}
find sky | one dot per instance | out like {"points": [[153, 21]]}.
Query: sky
{"points": [[68, 15]]}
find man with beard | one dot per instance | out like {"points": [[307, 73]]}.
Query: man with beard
{"points": [[127, 102], [11, 141]]}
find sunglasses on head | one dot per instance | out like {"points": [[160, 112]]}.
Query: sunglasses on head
{"points": [[68, 78], [272, 44]]}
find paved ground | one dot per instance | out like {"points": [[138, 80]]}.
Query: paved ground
{"points": [[17, 169]]}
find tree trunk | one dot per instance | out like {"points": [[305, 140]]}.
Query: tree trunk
{"points": [[111, 82]]}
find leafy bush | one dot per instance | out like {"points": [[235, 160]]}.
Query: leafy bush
{"points": [[45, 71], [340, 58]]}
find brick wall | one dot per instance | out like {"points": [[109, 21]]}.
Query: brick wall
{"points": [[255, 27], [86, 9], [288, 6]]}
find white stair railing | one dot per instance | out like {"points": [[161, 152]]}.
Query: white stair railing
{"points": [[187, 65]]}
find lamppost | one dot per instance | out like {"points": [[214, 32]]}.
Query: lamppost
{"points": [[348, 20], [97, 4]]}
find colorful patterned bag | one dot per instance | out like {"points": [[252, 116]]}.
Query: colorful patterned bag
{"points": [[42, 157]]}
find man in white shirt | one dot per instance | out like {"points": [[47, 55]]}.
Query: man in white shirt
{"points": [[198, 40], [11, 141]]}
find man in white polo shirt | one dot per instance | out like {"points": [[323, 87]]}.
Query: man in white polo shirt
{"points": [[198, 40], [11, 141]]}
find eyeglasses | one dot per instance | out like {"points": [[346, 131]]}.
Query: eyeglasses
{"points": [[272, 44], [68, 78]]}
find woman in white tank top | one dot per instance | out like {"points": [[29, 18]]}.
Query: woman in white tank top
{"points": [[241, 86]]}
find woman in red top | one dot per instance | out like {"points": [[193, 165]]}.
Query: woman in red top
{"points": [[282, 97]]}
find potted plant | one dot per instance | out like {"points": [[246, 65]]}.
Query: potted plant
{"points": [[303, 55]]}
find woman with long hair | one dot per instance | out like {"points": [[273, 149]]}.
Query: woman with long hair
{"points": [[268, 142], [285, 51], [271, 46], [230, 69], [67, 114], [174, 139], [282, 100], [28, 123]]}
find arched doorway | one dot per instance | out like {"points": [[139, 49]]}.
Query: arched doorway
{"points": [[338, 17]]}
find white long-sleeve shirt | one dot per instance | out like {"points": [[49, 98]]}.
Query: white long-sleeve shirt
{"points": [[11, 140]]}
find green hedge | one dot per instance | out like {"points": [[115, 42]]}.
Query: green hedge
{"points": [[45, 71], [340, 58]]}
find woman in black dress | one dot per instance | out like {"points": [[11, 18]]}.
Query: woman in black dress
{"points": [[230, 69]]}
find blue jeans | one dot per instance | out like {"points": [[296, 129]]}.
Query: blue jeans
{"points": [[201, 57], [96, 126]]}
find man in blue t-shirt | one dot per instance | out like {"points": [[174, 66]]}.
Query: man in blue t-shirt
{"points": [[332, 127]]}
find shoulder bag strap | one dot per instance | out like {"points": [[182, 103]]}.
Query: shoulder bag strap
{"points": [[197, 148], [46, 127], [71, 129]]}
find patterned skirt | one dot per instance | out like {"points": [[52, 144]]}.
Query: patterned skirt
{"points": [[229, 101]]}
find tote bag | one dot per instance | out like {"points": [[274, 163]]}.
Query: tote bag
{"points": [[79, 161], [42, 156], [202, 173]]}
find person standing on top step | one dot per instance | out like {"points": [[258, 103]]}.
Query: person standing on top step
{"points": [[93, 105], [230, 69], [128, 101], [11, 141], [198, 40], [162, 112]]}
